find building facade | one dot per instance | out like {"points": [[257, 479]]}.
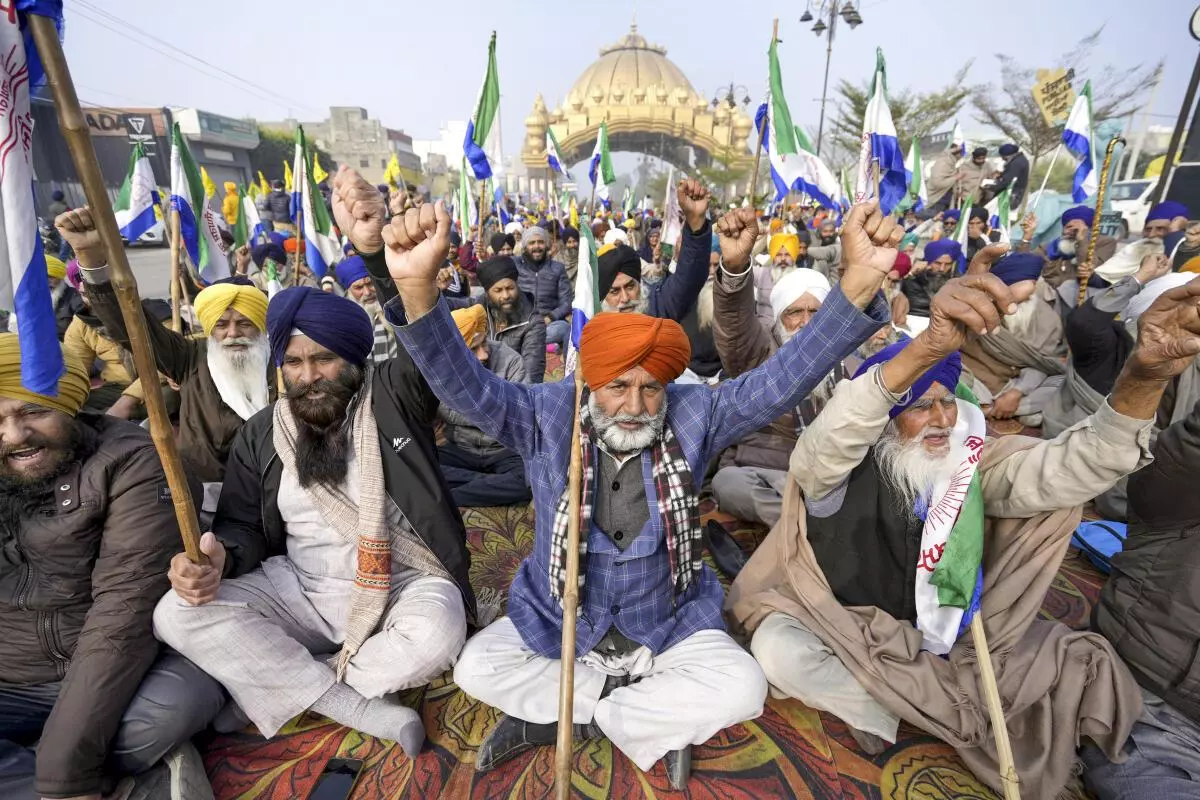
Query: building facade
{"points": [[220, 144], [351, 137]]}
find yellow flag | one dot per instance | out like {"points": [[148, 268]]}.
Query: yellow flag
{"points": [[263, 186], [287, 177], [210, 189], [391, 175], [318, 173], [574, 214]]}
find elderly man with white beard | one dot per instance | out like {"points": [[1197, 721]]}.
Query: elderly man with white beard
{"points": [[901, 520], [1019, 368], [356, 281]]}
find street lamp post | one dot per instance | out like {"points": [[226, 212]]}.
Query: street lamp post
{"points": [[851, 17], [727, 95]]}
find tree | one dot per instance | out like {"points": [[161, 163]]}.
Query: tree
{"points": [[727, 169], [278, 147], [914, 113], [1011, 109]]}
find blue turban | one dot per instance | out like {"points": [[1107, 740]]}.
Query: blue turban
{"points": [[716, 243], [1017, 267], [1082, 213], [945, 247], [1008, 149], [279, 237], [351, 270], [951, 215], [1167, 210], [330, 321], [946, 372], [270, 250]]}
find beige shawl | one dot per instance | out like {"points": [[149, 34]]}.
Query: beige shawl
{"points": [[1057, 685]]}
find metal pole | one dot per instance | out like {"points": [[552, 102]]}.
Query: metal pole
{"points": [[825, 88], [1189, 98], [74, 128], [1140, 137]]}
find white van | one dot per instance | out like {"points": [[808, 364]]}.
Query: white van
{"points": [[1131, 199]]}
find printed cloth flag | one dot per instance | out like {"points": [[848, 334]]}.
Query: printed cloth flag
{"points": [[880, 147], [482, 143], [587, 298], [499, 205], [136, 202], [248, 228], [554, 156], [949, 571], [1077, 137], [672, 213], [24, 283], [795, 166], [322, 251], [463, 204], [210, 188], [627, 204], [391, 175], [319, 175], [197, 226], [601, 169], [288, 179], [915, 199], [957, 138]]}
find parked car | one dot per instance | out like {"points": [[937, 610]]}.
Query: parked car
{"points": [[1131, 199], [155, 237]]}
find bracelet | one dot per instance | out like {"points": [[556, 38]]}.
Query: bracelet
{"points": [[895, 399], [94, 275], [721, 266]]}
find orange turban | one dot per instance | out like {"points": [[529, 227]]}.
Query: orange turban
{"points": [[613, 344], [291, 243]]}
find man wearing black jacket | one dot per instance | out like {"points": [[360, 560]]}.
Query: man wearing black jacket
{"points": [[1015, 174]]}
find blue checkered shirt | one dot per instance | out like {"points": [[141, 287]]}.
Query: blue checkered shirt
{"points": [[630, 589]]}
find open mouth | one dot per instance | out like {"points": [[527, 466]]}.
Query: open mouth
{"points": [[26, 456], [630, 426]]}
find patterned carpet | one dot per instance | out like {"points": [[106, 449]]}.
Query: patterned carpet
{"points": [[791, 751]]}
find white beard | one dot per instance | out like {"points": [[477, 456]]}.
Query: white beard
{"points": [[1019, 323], [56, 294], [241, 377], [909, 469], [638, 306], [704, 307], [620, 441], [1066, 247]]}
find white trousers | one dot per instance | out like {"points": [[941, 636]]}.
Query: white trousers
{"points": [[685, 694], [800, 665], [261, 633]]}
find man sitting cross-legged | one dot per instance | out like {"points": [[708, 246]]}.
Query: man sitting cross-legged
{"points": [[899, 516], [650, 637], [338, 571]]}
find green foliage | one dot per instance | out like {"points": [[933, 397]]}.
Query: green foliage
{"points": [[275, 148], [1061, 180]]}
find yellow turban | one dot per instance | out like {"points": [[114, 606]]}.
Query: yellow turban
{"points": [[73, 386], [55, 268], [249, 301], [1191, 265], [784, 241], [471, 322]]}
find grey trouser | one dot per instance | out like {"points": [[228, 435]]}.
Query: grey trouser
{"points": [[753, 494]]}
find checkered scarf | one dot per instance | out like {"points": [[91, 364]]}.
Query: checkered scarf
{"points": [[677, 502]]}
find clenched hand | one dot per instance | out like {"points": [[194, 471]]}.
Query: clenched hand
{"points": [[738, 231], [79, 229], [693, 201], [358, 210]]}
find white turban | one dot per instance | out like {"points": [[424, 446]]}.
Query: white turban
{"points": [[1151, 292], [616, 236], [513, 228], [799, 281]]}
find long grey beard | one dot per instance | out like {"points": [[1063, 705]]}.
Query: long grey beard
{"points": [[909, 470], [619, 440], [1019, 322], [241, 377]]}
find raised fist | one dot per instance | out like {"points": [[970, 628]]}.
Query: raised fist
{"points": [[693, 201], [79, 229], [870, 241], [1168, 335], [358, 210], [416, 244], [738, 231]]}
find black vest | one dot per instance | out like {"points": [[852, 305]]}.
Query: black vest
{"points": [[868, 549]]}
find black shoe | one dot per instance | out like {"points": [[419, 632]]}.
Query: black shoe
{"points": [[679, 767], [509, 739], [726, 553]]}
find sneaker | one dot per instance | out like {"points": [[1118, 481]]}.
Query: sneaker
{"points": [[180, 776]]}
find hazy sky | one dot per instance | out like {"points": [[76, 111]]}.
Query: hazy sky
{"points": [[417, 64]]}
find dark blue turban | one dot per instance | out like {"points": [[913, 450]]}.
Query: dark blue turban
{"points": [[1082, 213], [331, 321], [946, 372], [1017, 267], [945, 247], [951, 215], [1008, 149], [279, 237], [1167, 210], [351, 270], [270, 250]]}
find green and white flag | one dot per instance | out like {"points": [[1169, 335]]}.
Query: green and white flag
{"points": [[482, 144], [601, 168], [915, 199]]}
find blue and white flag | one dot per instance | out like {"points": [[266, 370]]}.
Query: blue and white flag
{"points": [[24, 284], [482, 143], [600, 169], [587, 302], [880, 147], [498, 202], [138, 199], [197, 226], [1077, 137], [554, 156]]}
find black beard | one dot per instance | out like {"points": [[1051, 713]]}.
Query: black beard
{"points": [[506, 317], [828, 240], [21, 496], [321, 443]]}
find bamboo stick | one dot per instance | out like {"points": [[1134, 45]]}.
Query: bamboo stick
{"points": [[564, 748], [175, 277], [83, 154], [482, 215], [991, 692]]}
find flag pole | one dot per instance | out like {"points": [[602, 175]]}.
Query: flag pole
{"points": [[74, 128], [758, 133], [991, 692], [482, 215], [875, 178], [1045, 180], [175, 284]]}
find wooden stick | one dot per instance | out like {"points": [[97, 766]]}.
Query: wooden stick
{"points": [[758, 133], [564, 748], [991, 692], [74, 128], [175, 276], [482, 215], [1101, 190]]}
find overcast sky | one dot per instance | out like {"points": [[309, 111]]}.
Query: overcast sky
{"points": [[415, 65]]}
